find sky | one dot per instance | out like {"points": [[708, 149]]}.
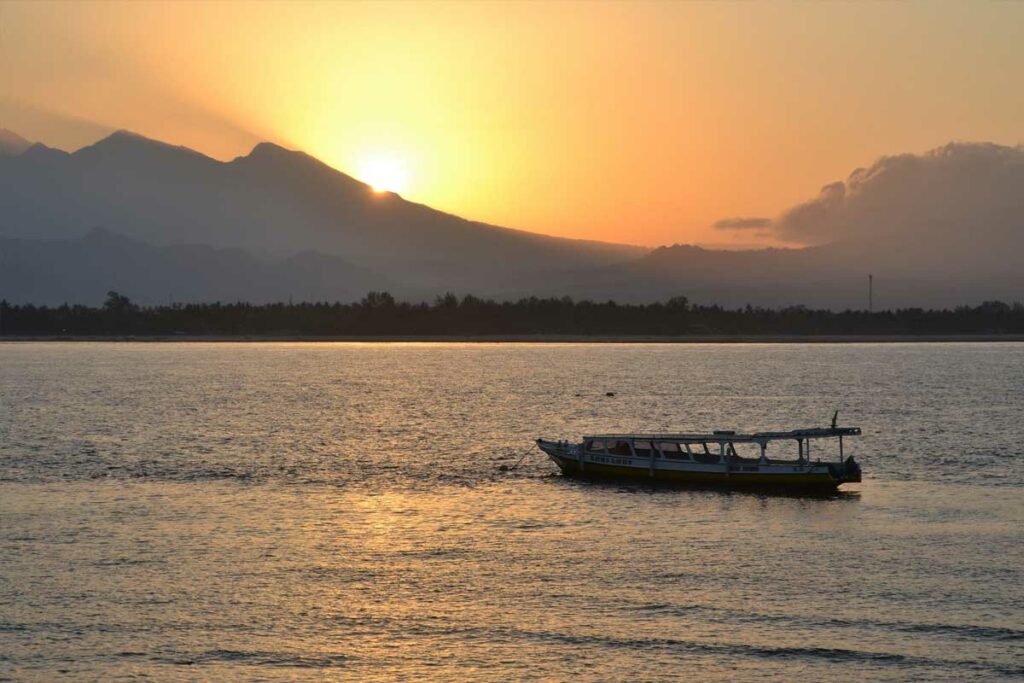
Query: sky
{"points": [[645, 123]]}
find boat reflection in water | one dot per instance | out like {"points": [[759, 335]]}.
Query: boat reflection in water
{"points": [[720, 458]]}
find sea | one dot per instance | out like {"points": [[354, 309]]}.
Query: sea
{"points": [[379, 512]]}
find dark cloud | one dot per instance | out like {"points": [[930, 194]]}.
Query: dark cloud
{"points": [[752, 223], [811, 217], [959, 196]]}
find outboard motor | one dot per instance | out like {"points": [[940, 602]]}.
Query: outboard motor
{"points": [[851, 470], [846, 471]]}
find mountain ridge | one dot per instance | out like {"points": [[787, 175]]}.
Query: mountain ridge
{"points": [[125, 166], [922, 224], [12, 144]]}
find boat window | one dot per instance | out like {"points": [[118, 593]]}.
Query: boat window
{"points": [[744, 452], [596, 446], [619, 448], [642, 449], [703, 454], [672, 451]]}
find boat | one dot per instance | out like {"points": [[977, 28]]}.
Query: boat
{"points": [[721, 458]]}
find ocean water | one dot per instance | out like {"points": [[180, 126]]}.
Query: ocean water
{"points": [[376, 512]]}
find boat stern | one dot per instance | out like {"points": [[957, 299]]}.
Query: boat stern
{"points": [[846, 472]]}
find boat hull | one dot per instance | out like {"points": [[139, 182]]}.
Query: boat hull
{"points": [[813, 477]]}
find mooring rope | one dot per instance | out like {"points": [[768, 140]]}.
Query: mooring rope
{"points": [[518, 462]]}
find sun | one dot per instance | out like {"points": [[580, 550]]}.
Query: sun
{"points": [[384, 173]]}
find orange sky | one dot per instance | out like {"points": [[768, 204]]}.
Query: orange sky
{"points": [[631, 122]]}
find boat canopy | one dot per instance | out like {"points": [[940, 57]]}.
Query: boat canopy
{"points": [[724, 436]]}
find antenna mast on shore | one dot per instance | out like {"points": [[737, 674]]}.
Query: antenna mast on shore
{"points": [[871, 293]]}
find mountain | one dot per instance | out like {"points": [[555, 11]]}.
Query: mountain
{"points": [[273, 202], [153, 220], [12, 144], [81, 270]]}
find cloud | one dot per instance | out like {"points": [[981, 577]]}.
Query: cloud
{"points": [[805, 221], [960, 196], [752, 223]]}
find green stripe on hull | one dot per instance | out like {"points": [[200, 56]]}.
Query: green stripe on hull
{"points": [[736, 479]]}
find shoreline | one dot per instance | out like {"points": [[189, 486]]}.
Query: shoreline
{"points": [[533, 339]]}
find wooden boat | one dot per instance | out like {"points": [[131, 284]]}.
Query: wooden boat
{"points": [[719, 458]]}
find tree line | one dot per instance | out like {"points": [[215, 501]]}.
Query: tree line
{"points": [[379, 314]]}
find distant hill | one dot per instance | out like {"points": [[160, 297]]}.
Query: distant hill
{"points": [[81, 270], [831, 276]]}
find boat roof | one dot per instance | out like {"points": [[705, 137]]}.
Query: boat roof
{"points": [[736, 437]]}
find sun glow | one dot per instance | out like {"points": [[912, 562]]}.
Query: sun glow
{"points": [[385, 173]]}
